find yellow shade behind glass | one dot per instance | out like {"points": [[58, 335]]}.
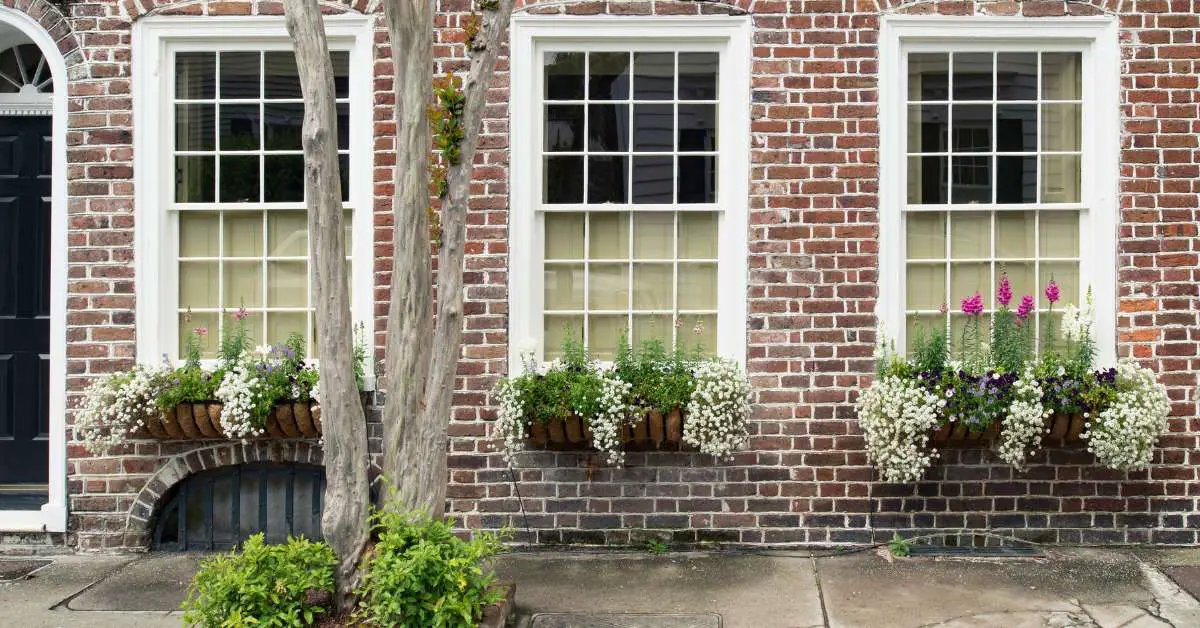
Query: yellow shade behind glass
{"points": [[555, 330], [243, 284], [654, 235], [198, 285], [604, 334], [287, 234], [697, 235], [925, 286], [243, 234], [652, 327], [926, 235], [564, 287], [608, 233], [652, 288], [564, 236], [287, 285], [1014, 234], [199, 234], [1059, 234], [970, 235], [697, 286]]}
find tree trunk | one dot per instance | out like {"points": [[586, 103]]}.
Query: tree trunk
{"points": [[421, 378], [347, 491]]}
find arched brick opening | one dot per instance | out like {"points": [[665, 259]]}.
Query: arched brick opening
{"points": [[51, 19], [142, 8]]}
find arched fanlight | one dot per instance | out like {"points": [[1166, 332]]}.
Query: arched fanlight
{"points": [[24, 71]]}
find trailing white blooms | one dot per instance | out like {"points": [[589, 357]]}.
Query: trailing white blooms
{"points": [[718, 409], [1076, 322], [614, 414], [115, 407], [1122, 436], [238, 392], [897, 415], [510, 419], [1025, 423]]}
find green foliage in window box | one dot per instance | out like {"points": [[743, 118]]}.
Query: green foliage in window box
{"points": [[262, 585]]}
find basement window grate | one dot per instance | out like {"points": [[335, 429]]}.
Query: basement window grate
{"points": [[220, 509]]}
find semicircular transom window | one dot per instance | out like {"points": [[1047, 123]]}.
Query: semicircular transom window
{"points": [[24, 70], [219, 509]]}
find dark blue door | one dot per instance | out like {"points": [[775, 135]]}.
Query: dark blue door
{"points": [[24, 299]]}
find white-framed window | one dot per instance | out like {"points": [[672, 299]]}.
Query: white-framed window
{"points": [[630, 164], [999, 152], [220, 193]]}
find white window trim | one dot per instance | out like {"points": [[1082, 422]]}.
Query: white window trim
{"points": [[528, 34], [156, 271], [1101, 147]]}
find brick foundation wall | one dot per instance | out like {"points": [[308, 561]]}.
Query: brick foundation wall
{"points": [[812, 289]]}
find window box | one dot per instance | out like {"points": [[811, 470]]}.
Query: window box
{"points": [[1066, 428], [654, 431], [202, 420]]}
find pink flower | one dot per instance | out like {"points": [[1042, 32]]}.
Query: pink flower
{"points": [[943, 308], [1052, 292], [973, 306], [1026, 307], [1004, 292], [200, 331], [241, 313]]}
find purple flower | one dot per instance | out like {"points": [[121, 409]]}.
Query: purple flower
{"points": [[1004, 292], [1026, 307], [1052, 292], [973, 305]]}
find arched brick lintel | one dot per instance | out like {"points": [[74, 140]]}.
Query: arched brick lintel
{"points": [[141, 8], [1027, 8], [178, 468], [55, 24], [637, 7]]}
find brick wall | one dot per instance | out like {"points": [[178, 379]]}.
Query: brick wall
{"points": [[813, 258]]}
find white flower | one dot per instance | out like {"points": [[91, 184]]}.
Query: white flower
{"points": [[510, 419], [1025, 423], [239, 391], [1123, 435], [719, 409], [263, 350], [1076, 322], [114, 407], [613, 415], [896, 415], [527, 350]]}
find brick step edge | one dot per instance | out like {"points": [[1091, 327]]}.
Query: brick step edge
{"points": [[499, 615]]}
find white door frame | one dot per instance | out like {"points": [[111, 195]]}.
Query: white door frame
{"points": [[52, 517]]}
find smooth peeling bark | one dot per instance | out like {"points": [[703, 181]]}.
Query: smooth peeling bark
{"points": [[347, 490]]}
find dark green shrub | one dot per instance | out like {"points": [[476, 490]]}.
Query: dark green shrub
{"points": [[262, 585], [420, 575]]}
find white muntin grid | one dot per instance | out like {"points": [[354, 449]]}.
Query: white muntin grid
{"points": [[274, 299], [1047, 209], [627, 209]]}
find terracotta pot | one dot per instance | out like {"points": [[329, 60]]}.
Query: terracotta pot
{"points": [[658, 428], [272, 426], [558, 432], [674, 426], [574, 429], [538, 434], [283, 414], [1077, 424], [959, 432], [200, 413]]}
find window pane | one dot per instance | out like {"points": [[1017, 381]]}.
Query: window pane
{"points": [[191, 321], [199, 234], [1014, 234], [697, 127], [1061, 76], [195, 75], [970, 235], [926, 235], [243, 284], [653, 179], [607, 179], [648, 327], [1066, 275], [564, 287], [608, 287], [1059, 234], [926, 286], [1016, 179], [194, 179], [608, 74], [697, 286], [240, 75], [194, 127], [564, 236], [343, 126], [564, 128], [341, 72], [609, 235], [239, 127], [698, 75], [1061, 126], [653, 235], [283, 126], [1016, 128], [287, 233], [923, 326], [972, 180], [652, 286], [282, 80], [608, 128], [697, 235], [927, 128], [280, 325], [198, 283], [927, 180], [1060, 178], [972, 128], [556, 329], [967, 279], [1022, 277], [287, 284], [972, 75], [700, 334], [654, 75], [239, 179], [604, 333], [697, 179], [1016, 75], [563, 180], [284, 178], [563, 75], [653, 127], [928, 76], [243, 234]]}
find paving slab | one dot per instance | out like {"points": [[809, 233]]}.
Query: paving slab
{"points": [[745, 590], [161, 582], [17, 569], [36, 602], [624, 620]]}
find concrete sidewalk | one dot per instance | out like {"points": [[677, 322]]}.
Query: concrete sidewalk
{"points": [[1070, 588]]}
